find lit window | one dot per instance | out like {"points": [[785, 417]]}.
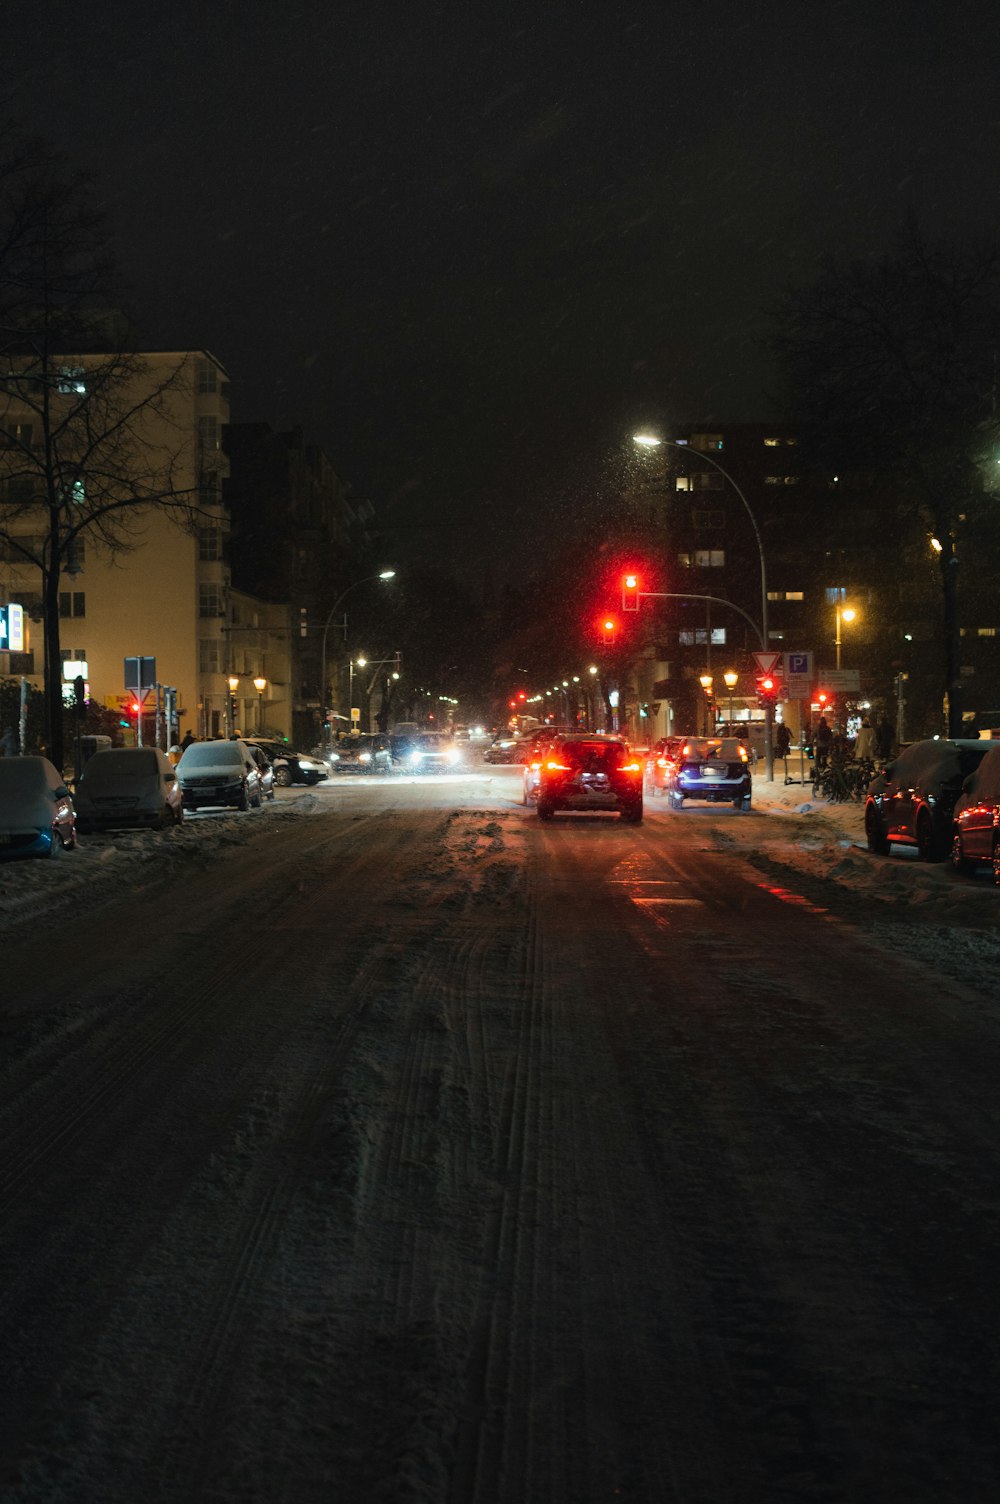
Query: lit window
{"points": [[834, 593], [710, 558], [684, 560], [785, 595], [986, 631], [691, 637], [705, 441], [70, 381], [683, 483], [771, 443], [791, 480]]}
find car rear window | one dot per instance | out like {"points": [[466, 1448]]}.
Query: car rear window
{"points": [[597, 756]]}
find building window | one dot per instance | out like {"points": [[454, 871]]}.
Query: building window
{"points": [[70, 381], [210, 601], [15, 436], [710, 558], [684, 561], [986, 631], [703, 520], [705, 441], [209, 544], [834, 594], [208, 488], [72, 603], [785, 595], [208, 380], [707, 480], [76, 555], [208, 435], [690, 637], [210, 655]]}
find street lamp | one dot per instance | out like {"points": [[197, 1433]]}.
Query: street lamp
{"points": [[653, 441], [234, 685], [385, 574], [706, 681], [730, 677], [847, 614], [352, 663], [260, 684]]}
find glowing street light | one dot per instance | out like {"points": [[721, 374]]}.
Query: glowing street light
{"points": [[848, 614], [731, 677]]}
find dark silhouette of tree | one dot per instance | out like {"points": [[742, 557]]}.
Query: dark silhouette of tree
{"points": [[88, 440], [891, 364]]}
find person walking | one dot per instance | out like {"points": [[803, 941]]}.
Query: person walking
{"points": [[782, 741], [864, 742], [821, 742], [188, 739]]}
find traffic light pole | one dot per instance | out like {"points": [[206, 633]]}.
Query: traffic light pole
{"points": [[761, 631]]}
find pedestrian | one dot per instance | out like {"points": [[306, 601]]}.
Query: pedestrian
{"points": [[188, 739], [864, 742], [883, 738], [821, 742], [782, 741]]}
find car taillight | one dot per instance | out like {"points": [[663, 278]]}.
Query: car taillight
{"points": [[631, 767], [662, 762], [556, 767], [685, 751]]}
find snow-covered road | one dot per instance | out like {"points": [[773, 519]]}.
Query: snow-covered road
{"points": [[389, 1145]]}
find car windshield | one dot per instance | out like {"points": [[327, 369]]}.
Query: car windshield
{"points": [[432, 743], [117, 767], [212, 755]]}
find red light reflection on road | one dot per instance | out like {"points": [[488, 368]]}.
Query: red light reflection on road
{"points": [[787, 896]]}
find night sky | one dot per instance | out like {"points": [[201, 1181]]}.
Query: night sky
{"points": [[470, 248]]}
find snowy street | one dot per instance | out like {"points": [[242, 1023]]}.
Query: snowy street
{"points": [[388, 1144]]}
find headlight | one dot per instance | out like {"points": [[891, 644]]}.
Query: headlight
{"points": [[416, 756], [364, 757], [453, 754]]}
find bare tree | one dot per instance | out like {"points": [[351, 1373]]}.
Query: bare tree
{"points": [[892, 364], [88, 440]]}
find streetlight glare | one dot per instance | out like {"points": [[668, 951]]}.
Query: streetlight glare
{"points": [[649, 440], [387, 574]]}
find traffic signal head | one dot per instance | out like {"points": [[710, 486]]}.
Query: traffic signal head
{"points": [[767, 690], [608, 626], [630, 592]]}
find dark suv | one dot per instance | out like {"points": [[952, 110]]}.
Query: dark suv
{"points": [[590, 773], [912, 802]]}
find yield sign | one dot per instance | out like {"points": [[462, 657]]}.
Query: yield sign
{"points": [[767, 662]]}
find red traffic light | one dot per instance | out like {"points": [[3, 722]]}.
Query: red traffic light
{"points": [[630, 592], [608, 625]]}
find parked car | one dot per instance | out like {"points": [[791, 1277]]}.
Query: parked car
{"points": [[912, 801], [976, 830], [219, 773], [127, 787], [37, 817], [362, 754], [265, 767], [586, 772], [711, 768], [291, 766], [431, 752], [660, 760]]}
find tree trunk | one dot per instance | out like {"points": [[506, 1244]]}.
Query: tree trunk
{"points": [[55, 750]]}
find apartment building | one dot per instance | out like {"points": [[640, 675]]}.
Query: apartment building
{"points": [[151, 580]]}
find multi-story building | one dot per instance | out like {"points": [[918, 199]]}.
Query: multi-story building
{"points": [[297, 537], [849, 573], [160, 587]]}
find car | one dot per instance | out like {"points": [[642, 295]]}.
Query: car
{"points": [[976, 828], [265, 767], [126, 788], [659, 761], [362, 754], [291, 766], [912, 801], [37, 816], [503, 749], [711, 768], [533, 767], [219, 773], [431, 752], [589, 772]]}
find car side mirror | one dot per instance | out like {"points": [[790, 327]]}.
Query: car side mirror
{"points": [[62, 792]]}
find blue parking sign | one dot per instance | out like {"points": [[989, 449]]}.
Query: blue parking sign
{"points": [[799, 663]]}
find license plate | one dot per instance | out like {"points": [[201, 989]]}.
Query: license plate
{"points": [[714, 770]]}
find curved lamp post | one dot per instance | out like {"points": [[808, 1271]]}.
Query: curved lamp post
{"points": [[260, 684], [385, 574], [653, 441], [847, 614]]}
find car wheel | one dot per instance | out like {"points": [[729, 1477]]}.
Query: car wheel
{"points": [[874, 834], [55, 845], [928, 841], [959, 860], [282, 777], [258, 803], [632, 814], [676, 800], [546, 810]]}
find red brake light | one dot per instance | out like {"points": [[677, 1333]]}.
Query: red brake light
{"points": [[686, 750], [556, 767], [631, 767]]}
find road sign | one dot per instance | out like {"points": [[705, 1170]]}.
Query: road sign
{"points": [[846, 680], [140, 673], [798, 672], [767, 662]]}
